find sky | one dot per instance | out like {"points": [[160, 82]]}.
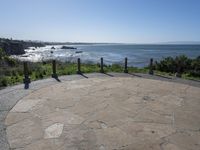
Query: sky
{"points": [[112, 21]]}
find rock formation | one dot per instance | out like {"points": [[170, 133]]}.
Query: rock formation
{"points": [[68, 47]]}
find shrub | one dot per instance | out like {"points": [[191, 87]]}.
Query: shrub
{"points": [[10, 61], [181, 64], [167, 65], [2, 53], [195, 64], [3, 81], [41, 76], [194, 73]]}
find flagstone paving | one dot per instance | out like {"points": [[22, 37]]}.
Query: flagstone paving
{"points": [[114, 113]]}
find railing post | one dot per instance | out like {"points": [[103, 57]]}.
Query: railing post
{"points": [[79, 66], [101, 70], [125, 65], [26, 76], [54, 74], [151, 67]]}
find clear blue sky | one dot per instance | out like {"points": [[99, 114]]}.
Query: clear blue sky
{"points": [[126, 21]]}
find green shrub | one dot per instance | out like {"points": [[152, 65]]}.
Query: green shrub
{"points": [[195, 64], [181, 64], [166, 65], [3, 82], [41, 76], [10, 61], [194, 73], [7, 72], [2, 53]]}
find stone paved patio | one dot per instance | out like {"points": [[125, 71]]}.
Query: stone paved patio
{"points": [[121, 113]]}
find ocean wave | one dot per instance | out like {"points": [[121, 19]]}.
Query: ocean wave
{"points": [[137, 55]]}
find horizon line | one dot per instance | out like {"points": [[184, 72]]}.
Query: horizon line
{"points": [[87, 42]]}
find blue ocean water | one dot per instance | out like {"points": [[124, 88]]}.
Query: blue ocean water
{"points": [[138, 55]]}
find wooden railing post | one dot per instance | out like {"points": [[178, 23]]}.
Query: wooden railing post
{"points": [[125, 65], [79, 66], [26, 75], [54, 74], [101, 70], [151, 67]]}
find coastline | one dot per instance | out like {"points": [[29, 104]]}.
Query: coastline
{"points": [[138, 55]]}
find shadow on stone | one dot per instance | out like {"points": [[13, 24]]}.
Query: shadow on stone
{"points": [[162, 76], [110, 75], [57, 79], [55, 76], [134, 75], [83, 75]]}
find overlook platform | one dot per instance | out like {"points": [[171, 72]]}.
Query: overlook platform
{"points": [[102, 112]]}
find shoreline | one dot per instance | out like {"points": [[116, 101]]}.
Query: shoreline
{"points": [[138, 55]]}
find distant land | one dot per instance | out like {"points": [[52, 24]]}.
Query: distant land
{"points": [[182, 42], [17, 47]]}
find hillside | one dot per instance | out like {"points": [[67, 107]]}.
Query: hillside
{"points": [[16, 47]]}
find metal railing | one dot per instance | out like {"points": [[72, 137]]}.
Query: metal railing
{"points": [[55, 75]]}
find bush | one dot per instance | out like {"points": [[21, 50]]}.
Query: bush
{"points": [[167, 65], [7, 72], [3, 82], [10, 61], [41, 76], [181, 64], [194, 73], [2, 54], [195, 64]]}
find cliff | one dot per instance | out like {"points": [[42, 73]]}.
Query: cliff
{"points": [[16, 47], [12, 48]]}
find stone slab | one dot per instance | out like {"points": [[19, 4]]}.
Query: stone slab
{"points": [[106, 113]]}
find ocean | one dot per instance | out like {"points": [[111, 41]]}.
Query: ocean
{"points": [[138, 55]]}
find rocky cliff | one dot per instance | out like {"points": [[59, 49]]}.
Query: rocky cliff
{"points": [[12, 48], [16, 47]]}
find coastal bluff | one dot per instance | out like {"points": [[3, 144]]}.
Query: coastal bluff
{"points": [[17, 47]]}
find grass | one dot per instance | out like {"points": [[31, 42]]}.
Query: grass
{"points": [[11, 75], [186, 76], [189, 77]]}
